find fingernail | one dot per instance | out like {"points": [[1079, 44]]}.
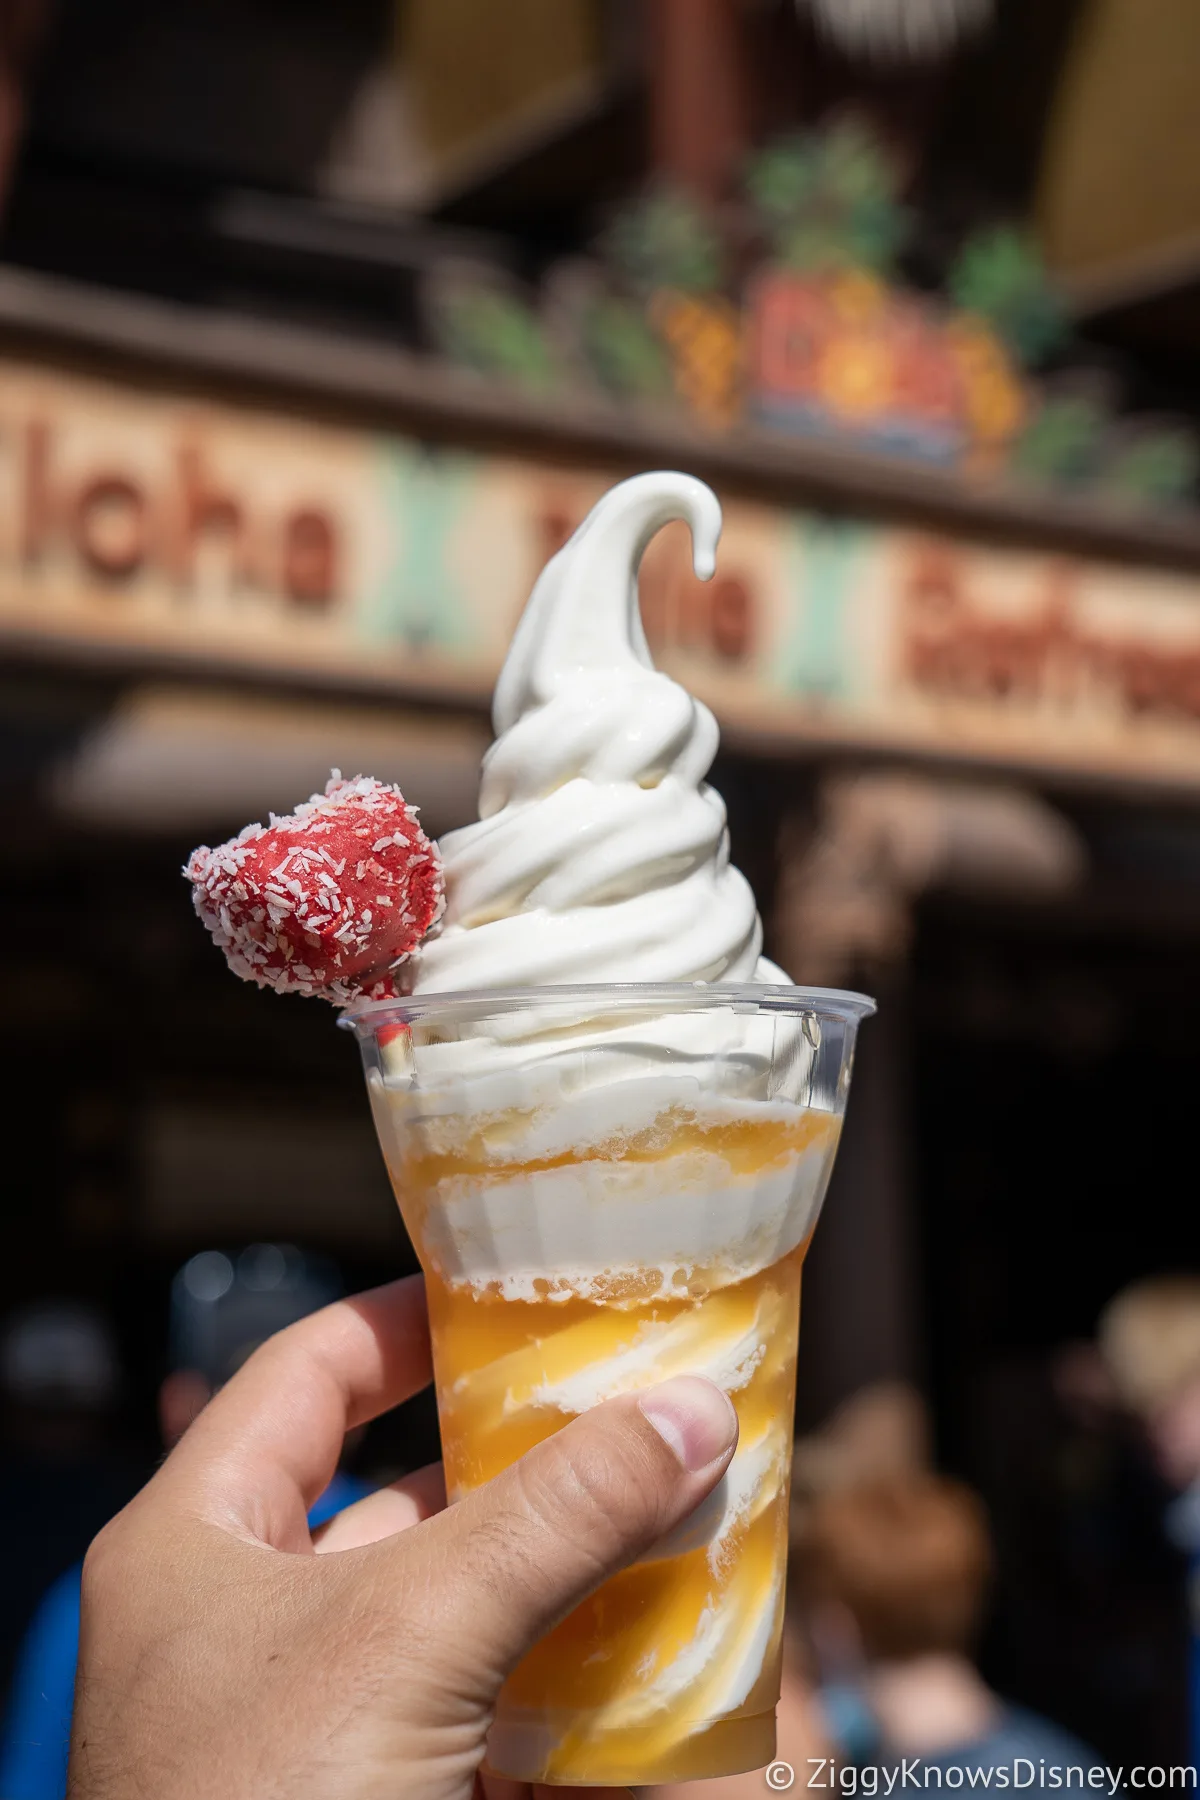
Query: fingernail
{"points": [[693, 1417]]}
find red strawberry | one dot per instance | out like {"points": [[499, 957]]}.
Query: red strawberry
{"points": [[330, 900]]}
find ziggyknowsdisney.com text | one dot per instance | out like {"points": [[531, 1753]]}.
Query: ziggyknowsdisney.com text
{"points": [[823, 1774]]}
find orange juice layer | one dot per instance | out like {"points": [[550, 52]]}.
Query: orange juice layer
{"points": [[491, 1144], [687, 1201], [672, 1668]]}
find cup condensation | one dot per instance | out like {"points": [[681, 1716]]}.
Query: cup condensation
{"points": [[607, 1187]]}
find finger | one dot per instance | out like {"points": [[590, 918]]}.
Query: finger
{"points": [[516, 1555], [266, 1446], [381, 1515]]}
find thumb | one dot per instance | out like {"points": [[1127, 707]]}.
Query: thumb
{"points": [[517, 1554]]}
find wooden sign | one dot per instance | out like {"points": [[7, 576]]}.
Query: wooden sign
{"points": [[154, 525]]}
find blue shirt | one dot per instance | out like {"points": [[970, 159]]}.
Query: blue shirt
{"points": [[1021, 1743], [1183, 1529], [1029, 1748], [37, 1731], [1193, 1684]]}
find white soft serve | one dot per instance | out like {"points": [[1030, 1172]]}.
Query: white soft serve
{"points": [[601, 852]]}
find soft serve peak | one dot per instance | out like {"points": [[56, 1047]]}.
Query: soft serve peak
{"points": [[601, 852]]}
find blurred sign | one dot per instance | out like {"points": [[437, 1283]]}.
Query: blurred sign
{"points": [[240, 539]]}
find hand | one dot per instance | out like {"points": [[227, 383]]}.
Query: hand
{"points": [[227, 1653]]}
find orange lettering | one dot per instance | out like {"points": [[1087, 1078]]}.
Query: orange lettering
{"points": [[108, 526], [310, 557], [732, 612]]}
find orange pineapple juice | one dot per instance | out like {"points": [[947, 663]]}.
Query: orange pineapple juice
{"points": [[671, 1669]]}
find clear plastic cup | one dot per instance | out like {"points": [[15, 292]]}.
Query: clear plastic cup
{"points": [[607, 1186]]}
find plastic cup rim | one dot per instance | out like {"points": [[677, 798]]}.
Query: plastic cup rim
{"points": [[842, 1004]]}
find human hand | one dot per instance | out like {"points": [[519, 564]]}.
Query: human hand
{"points": [[227, 1653]]}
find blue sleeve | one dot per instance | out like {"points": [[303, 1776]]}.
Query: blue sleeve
{"points": [[37, 1730], [1193, 1687], [342, 1491]]}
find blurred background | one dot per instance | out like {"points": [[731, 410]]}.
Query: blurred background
{"points": [[320, 329]]}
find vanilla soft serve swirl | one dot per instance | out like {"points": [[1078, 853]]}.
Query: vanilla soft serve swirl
{"points": [[601, 852]]}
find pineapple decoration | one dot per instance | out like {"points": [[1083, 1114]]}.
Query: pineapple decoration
{"points": [[995, 398], [1155, 465], [1065, 434], [1063, 441], [1011, 319], [826, 206], [999, 277], [482, 321], [827, 202], [836, 344], [613, 341], [668, 254]]}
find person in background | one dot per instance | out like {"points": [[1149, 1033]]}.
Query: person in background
{"points": [[888, 1579], [64, 1470], [1149, 1337], [222, 1308], [881, 1429]]}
